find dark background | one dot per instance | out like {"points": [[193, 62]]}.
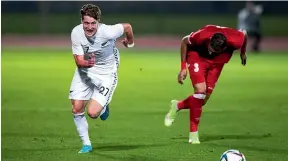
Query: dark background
{"points": [[147, 17]]}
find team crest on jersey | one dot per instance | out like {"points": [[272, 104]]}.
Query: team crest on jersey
{"points": [[104, 44]]}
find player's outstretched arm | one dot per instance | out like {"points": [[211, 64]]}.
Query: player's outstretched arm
{"points": [[243, 49], [183, 51], [244, 45], [129, 40]]}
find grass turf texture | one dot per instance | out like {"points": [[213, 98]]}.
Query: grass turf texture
{"points": [[247, 111]]}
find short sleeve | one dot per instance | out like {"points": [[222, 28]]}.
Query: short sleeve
{"points": [[76, 45], [114, 31], [196, 37]]}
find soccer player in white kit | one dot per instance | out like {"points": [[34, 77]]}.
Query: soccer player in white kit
{"points": [[97, 60]]}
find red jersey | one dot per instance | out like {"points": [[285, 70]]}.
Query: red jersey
{"points": [[200, 40]]}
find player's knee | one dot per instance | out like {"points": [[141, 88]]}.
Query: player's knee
{"points": [[77, 110], [78, 107], [94, 109], [94, 114]]}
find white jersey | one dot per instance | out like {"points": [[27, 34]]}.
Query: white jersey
{"points": [[102, 44]]}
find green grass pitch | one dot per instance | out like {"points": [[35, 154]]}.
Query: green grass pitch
{"points": [[247, 111]]}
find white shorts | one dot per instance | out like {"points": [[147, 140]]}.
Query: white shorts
{"points": [[97, 87]]}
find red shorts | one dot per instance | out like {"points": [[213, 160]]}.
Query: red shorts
{"points": [[203, 70]]}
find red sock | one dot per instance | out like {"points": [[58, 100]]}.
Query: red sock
{"points": [[195, 104], [183, 104]]}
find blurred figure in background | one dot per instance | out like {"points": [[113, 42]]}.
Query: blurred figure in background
{"points": [[249, 20]]}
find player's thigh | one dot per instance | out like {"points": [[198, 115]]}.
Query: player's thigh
{"points": [[213, 76], [79, 94], [104, 92], [197, 71]]}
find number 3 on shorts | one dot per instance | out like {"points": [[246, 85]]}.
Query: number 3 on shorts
{"points": [[196, 67]]}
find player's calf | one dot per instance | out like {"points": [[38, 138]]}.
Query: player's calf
{"points": [[78, 108], [195, 103]]}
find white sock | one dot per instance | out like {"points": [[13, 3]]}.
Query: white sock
{"points": [[177, 109], [82, 127]]}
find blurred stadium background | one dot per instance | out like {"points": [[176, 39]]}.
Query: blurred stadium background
{"points": [[248, 110], [34, 20]]}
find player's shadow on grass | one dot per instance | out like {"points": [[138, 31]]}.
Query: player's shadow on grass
{"points": [[117, 147], [125, 158], [254, 147], [36, 136], [208, 137]]}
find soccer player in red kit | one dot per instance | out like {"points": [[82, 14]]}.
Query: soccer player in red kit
{"points": [[204, 53]]}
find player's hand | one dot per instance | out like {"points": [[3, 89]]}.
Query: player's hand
{"points": [[243, 59], [182, 76], [91, 60], [125, 42]]}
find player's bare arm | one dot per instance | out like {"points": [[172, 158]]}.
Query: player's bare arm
{"points": [[83, 61], [129, 40], [183, 48], [183, 51], [243, 49]]}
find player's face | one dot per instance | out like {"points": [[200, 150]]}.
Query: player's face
{"points": [[210, 49], [250, 6], [89, 25]]}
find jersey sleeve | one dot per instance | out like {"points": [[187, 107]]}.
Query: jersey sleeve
{"points": [[194, 37], [76, 45], [198, 36], [114, 31]]}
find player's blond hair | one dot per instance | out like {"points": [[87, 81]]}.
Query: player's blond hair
{"points": [[90, 10]]}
